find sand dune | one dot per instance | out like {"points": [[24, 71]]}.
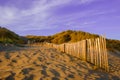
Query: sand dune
{"points": [[41, 63]]}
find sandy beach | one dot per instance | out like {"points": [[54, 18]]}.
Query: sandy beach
{"points": [[43, 63]]}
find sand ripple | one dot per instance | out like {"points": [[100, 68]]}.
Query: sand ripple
{"points": [[41, 63]]}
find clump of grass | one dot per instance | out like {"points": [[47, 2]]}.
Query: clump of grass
{"points": [[113, 45]]}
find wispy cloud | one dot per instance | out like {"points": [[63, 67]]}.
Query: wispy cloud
{"points": [[41, 16], [7, 15], [85, 1], [36, 16]]}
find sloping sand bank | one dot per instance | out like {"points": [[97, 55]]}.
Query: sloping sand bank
{"points": [[41, 63]]}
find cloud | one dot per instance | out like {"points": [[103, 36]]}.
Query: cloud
{"points": [[39, 15], [7, 15], [36, 15], [86, 1]]}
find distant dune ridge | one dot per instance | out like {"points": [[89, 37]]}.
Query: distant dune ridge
{"points": [[71, 36], [8, 36], [43, 63]]}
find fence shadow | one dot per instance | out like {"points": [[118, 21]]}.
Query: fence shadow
{"points": [[91, 50]]}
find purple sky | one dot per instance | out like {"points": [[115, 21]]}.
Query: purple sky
{"points": [[46, 17]]}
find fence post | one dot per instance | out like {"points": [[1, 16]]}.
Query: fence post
{"points": [[88, 50], [84, 50], [106, 58], [64, 48]]}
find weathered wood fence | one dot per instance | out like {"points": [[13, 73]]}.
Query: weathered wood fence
{"points": [[91, 50]]}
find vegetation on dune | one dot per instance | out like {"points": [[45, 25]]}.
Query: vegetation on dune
{"points": [[7, 36], [73, 36], [38, 38], [113, 44], [63, 37]]}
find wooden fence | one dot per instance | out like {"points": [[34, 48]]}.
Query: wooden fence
{"points": [[91, 50]]}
